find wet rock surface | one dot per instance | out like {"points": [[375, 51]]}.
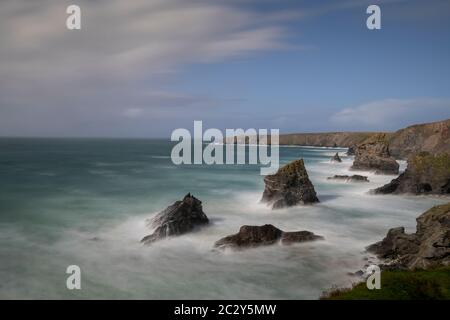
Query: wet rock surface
{"points": [[347, 178], [374, 155], [336, 158], [429, 246], [425, 174], [288, 187], [177, 219], [254, 236]]}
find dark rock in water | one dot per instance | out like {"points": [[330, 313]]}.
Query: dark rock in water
{"points": [[428, 247], [358, 273], [298, 236], [289, 186], [351, 151], [346, 178], [395, 242], [179, 218], [425, 174], [373, 155], [254, 236], [336, 158]]}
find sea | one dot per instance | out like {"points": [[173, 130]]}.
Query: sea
{"points": [[85, 202]]}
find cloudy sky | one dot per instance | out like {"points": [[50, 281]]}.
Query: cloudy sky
{"points": [[143, 68]]}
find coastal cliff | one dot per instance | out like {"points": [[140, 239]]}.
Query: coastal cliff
{"points": [[431, 137], [326, 139], [429, 246], [425, 174]]}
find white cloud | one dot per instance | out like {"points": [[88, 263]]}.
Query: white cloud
{"points": [[122, 38], [133, 112], [120, 63], [392, 112]]}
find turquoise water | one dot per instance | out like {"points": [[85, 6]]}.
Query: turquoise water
{"points": [[85, 201]]}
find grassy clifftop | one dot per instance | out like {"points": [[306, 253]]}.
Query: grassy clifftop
{"points": [[431, 284]]}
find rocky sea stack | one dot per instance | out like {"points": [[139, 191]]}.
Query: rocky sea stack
{"points": [[346, 178], [428, 247], [288, 187], [179, 218], [425, 174], [336, 158], [374, 155], [254, 236]]}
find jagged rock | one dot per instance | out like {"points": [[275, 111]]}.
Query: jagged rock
{"points": [[179, 218], [373, 155], [346, 178], [289, 186], [428, 247], [426, 173], [298, 236], [254, 236], [336, 158]]}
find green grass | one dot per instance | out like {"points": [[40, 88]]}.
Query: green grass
{"points": [[431, 284]]}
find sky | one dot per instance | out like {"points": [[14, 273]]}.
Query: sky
{"points": [[144, 68]]}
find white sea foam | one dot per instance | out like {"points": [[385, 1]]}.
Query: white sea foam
{"points": [[115, 264]]}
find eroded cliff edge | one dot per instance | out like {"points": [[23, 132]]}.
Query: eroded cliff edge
{"points": [[431, 137]]}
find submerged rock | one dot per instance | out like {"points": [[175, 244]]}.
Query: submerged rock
{"points": [[346, 178], [429, 246], [289, 186], [373, 155], [179, 218], [336, 158], [425, 174], [254, 236]]}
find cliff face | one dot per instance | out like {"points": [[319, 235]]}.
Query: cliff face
{"points": [[425, 174], [327, 139], [430, 137], [429, 246]]}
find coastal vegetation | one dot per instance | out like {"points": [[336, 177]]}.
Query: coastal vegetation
{"points": [[417, 266], [430, 284]]}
